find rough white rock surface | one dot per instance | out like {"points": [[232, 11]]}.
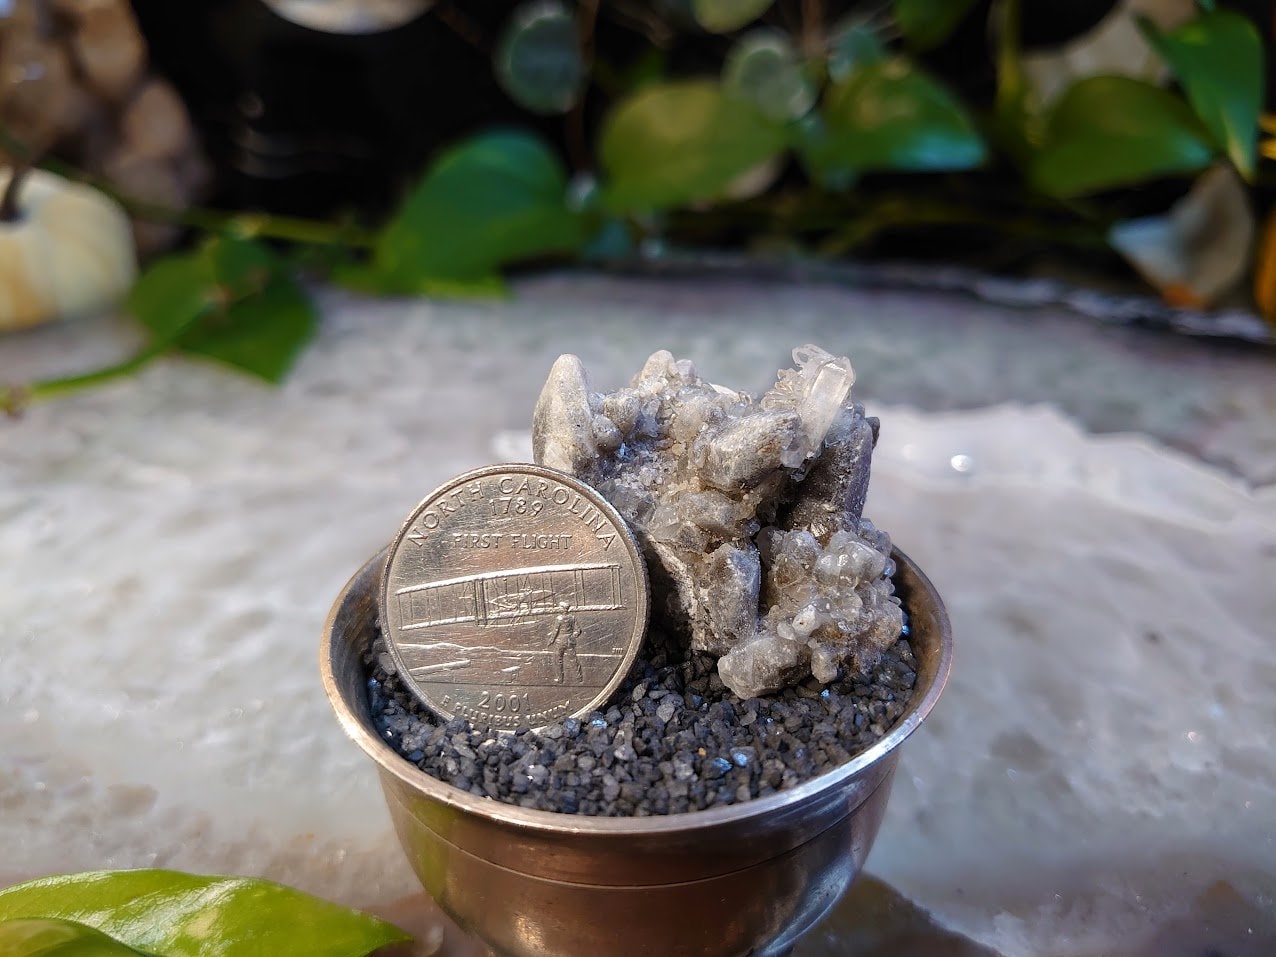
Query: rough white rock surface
{"points": [[1100, 760], [750, 513], [1101, 756]]}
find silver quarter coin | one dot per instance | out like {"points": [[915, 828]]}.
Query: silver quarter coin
{"points": [[514, 596]]}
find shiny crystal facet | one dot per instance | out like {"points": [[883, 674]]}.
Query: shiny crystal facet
{"points": [[750, 513]]}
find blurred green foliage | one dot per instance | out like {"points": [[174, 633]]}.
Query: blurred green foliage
{"points": [[775, 147], [162, 913]]}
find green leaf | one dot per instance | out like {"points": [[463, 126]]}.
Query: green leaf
{"points": [[680, 142], [538, 59], [1218, 59], [613, 240], [172, 294], [892, 116], [262, 333], [233, 300], [45, 937], [927, 23], [240, 266], [187, 915], [853, 43], [1015, 124], [495, 199], [764, 69], [723, 16], [368, 279], [819, 156], [647, 69], [1109, 131]]}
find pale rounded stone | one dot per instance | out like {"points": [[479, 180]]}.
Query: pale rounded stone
{"points": [[69, 254]]}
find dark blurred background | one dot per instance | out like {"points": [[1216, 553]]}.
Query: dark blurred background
{"points": [[303, 121]]}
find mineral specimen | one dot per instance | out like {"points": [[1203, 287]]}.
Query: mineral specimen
{"points": [[750, 513]]}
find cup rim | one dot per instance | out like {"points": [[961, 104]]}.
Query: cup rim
{"points": [[552, 822]]}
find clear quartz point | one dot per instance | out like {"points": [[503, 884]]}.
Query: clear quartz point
{"points": [[749, 512]]}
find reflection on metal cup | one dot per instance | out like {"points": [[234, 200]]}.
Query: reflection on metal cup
{"points": [[750, 878]]}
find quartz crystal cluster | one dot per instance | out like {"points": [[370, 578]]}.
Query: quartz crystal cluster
{"points": [[749, 512]]}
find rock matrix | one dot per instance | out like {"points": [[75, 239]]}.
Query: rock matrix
{"points": [[749, 512]]}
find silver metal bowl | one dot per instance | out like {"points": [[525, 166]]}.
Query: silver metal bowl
{"points": [[748, 879]]}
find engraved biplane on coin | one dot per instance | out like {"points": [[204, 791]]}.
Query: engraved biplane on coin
{"points": [[514, 596]]}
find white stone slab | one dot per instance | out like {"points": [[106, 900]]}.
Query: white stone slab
{"points": [[1101, 755], [171, 544]]}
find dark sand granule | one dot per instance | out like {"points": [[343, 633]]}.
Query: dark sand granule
{"points": [[672, 738]]}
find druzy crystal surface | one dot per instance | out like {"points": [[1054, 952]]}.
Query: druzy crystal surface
{"points": [[750, 512]]}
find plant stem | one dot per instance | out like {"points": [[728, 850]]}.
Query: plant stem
{"points": [[43, 20], [864, 228], [15, 398], [574, 122], [639, 17], [847, 225], [460, 24], [812, 27], [588, 15], [10, 212], [307, 232], [24, 159]]}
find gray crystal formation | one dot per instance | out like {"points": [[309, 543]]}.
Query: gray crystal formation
{"points": [[749, 512]]}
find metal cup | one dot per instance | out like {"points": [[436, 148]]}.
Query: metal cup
{"points": [[748, 879]]}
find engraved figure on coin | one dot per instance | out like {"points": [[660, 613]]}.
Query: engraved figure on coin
{"points": [[553, 622], [563, 641]]}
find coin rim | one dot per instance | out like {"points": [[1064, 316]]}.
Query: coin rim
{"points": [[642, 596]]}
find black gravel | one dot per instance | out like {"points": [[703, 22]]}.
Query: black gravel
{"points": [[673, 738]]}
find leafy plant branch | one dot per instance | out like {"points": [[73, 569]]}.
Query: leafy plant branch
{"points": [[265, 226], [793, 140]]}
